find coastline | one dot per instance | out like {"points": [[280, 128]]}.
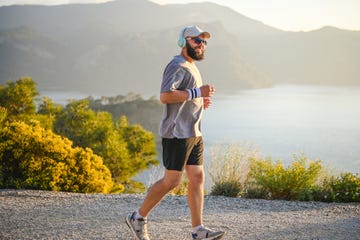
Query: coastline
{"points": [[30, 214]]}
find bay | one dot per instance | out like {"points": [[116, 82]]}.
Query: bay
{"points": [[322, 122]]}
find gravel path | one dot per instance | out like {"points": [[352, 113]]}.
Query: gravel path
{"points": [[26, 214]]}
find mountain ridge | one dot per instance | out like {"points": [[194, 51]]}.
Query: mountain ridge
{"points": [[123, 46]]}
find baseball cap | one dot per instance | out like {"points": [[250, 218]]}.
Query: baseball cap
{"points": [[194, 31]]}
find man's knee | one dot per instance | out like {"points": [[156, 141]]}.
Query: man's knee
{"points": [[170, 184], [172, 180], [196, 177]]}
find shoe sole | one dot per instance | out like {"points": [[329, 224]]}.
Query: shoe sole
{"points": [[127, 220], [215, 238]]}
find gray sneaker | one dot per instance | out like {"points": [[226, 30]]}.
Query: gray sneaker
{"points": [[137, 226], [206, 233]]}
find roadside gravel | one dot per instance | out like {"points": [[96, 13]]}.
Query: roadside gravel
{"points": [[28, 214]]}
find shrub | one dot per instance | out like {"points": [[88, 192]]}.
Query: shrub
{"points": [[125, 149], [3, 115], [317, 193], [284, 183], [227, 189], [35, 158], [237, 171], [342, 188], [132, 186], [346, 187], [229, 168], [117, 188]]}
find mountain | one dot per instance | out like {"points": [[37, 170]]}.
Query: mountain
{"points": [[123, 46], [324, 56]]}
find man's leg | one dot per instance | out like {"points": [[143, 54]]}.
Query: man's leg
{"points": [[171, 179], [195, 174], [196, 178], [138, 224]]}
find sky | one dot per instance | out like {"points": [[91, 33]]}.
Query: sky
{"points": [[289, 15]]}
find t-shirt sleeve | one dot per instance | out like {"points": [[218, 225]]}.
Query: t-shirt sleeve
{"points": [[173, 79]]}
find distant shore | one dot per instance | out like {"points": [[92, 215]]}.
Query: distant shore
{"points": [[28, 214]]}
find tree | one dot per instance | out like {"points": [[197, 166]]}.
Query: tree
{"points": [[48, 107], [47, 113], [36, 158], [3, 115], [83, 126], [140, 144], [125, 149], [19, 98]]}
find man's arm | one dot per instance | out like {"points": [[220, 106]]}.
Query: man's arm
{"points": [[177, 96]]}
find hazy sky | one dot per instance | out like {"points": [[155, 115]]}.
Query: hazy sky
{"points": [[291, 15]]}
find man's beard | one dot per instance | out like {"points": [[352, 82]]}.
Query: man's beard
{"points": [[192, 53]]}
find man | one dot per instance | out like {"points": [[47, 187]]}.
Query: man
{"points": [[185, 98]]}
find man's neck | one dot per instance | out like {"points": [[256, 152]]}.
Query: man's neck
{"points": [[186, 56]]}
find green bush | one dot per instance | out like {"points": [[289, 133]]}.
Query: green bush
{"points": [[346, 187], [284, 183], [342, 188], [134, 187], [227, 189], [35, 158], [317, 193]]}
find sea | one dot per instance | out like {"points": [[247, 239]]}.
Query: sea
{"points": [[320, 122]]}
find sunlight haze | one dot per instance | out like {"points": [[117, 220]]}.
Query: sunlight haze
{"points": [[297, 15]]}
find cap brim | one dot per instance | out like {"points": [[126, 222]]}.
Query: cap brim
{"points": [[205, 35]]}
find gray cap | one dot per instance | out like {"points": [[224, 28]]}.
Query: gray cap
{"points": [[195, 31]]}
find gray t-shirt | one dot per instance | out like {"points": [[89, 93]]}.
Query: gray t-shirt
{"points": [[181, 120]]}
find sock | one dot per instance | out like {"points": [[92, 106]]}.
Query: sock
{"points": [[137, 215], [195, 229]]}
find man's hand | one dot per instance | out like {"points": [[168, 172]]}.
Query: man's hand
{"points": [[207, 102], [207, 90]]}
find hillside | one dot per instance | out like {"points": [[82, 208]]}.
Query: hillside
{"points": [[123, 46]]}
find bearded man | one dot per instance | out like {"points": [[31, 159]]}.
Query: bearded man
{"points": [[184, 97]]}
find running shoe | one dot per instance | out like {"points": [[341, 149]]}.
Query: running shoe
{"points": [[137, 226], [206, 233]]}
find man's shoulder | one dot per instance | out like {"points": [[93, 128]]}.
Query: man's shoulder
{"points": [[176, 64], [179, 62]]}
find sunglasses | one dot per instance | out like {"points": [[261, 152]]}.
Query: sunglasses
{"points": [[198, 40]]}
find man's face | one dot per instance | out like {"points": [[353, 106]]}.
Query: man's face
{"points": [[195, 48]]}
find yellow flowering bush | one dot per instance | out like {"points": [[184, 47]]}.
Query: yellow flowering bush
{"points": [[279, 182], [36, 158]]}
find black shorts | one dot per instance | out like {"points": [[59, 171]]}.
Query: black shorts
{"points": [[180, 152]]}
